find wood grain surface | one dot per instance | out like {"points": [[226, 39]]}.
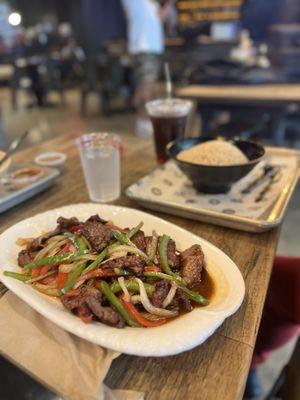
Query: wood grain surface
{"points": [[218, 368]]}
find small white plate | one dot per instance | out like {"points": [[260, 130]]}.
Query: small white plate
{"points": [[179, 335]]}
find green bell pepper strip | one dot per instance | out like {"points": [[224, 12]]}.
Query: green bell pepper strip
{"points": [[117, 305], [134, 230], [192, 295], [72, 277], [160, 275], [96, 262], [163, 254], [123, 238], [73, 239], [15, 275], [132, 286], [195, 296], [54, 259], [121, 272]]}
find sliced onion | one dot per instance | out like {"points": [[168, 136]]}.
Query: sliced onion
{"points": [[128, 249], [149, 307], [124, 288], [48, 290], [135, 299], [118, 254], [170, 295], [66, 268], [79, 283], [152, 246]]}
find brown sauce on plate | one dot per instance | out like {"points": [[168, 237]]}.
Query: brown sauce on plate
{"points": [[207, 286]]}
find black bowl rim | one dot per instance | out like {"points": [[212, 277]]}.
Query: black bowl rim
{"points": [[255, 161]]}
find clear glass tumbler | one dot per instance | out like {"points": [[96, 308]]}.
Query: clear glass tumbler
{"points": [[100, 159]]}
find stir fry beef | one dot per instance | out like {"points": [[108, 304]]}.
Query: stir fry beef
{"points": [[64, 224], [161, 291], [96, 218], [139, 240], [192, 263], [181, 301], [133, 263], [91, 298], [26, 257], [97, 234], [173, 258]]}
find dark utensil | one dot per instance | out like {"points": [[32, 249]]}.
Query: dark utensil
{"points": [[267, 187], [13, 147], [252, 185], [215, 179]]}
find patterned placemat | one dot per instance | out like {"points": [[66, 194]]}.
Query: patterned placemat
{"points": [[168, 184]]}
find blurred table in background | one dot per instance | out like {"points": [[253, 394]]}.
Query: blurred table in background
{"points": [[274, 99]]}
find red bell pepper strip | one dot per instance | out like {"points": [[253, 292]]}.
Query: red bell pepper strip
{"points": [[35, 272], [138, 317], [75, 228], [100, 273], [86, 318], [46, 268], [61, 279], [152, 268]]}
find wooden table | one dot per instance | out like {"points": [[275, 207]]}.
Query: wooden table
{"points": [[218, 368], [265, 98]]}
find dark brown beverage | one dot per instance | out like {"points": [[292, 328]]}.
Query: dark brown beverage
{"points": [[169, 118], [165, 130]]}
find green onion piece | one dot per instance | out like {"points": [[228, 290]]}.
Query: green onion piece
{"points": [[121, 272], [163, 254], [41, 277], [96, 262], [73, 239], [195, 296], [132, 286], [192, 295], [72, 277], [55, 259], [15, 275], [122, 238], [82, 244], [135, 230], [117, 305], [160, 275]]}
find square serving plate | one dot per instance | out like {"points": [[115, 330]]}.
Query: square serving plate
{"points": [[269, 219]]}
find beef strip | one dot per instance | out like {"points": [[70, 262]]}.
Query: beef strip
{"points": [[162, 289], [26, 257], [173, 258], [97, 234], [139, 240], [133, 263], [192, 262], [96, 218], [104, 314], [92, 298], [181, 301]]}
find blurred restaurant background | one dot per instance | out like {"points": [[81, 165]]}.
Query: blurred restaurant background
{"points": [[65, 68]]}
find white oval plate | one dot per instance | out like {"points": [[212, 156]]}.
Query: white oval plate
{"points": [[177, 336]]}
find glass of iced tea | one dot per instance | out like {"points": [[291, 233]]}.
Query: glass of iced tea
{"points": [[169, 119]]}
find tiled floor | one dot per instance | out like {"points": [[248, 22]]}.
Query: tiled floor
{"points": [[50, 122]]}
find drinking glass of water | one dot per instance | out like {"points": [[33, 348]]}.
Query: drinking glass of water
{"points": [[100, 159]]}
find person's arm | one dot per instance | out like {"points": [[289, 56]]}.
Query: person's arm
{"points": [[166, 9]]}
